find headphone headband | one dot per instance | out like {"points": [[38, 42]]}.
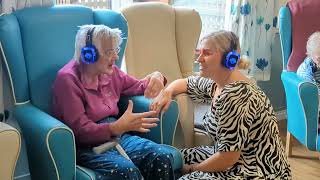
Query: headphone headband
{"points": [[233, 42], [89, 37]]}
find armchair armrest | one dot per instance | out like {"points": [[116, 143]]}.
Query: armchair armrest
{"points": [[50, 143], [186, 119], [302, 106], [165, 131], [10, 144]]}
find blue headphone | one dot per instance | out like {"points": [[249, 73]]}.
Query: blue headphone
{"points": [[89, 53], [230, 59]]}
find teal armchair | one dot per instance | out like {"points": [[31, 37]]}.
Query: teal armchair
{"points": [[35, 44], [301, 95]]}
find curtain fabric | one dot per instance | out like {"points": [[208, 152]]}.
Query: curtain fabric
{"points": [[255, 22], [7, 6]]}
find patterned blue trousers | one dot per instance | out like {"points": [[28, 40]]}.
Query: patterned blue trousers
{"points": [[149, 160]]}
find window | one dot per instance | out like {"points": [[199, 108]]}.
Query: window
{"points": [[212, 12]]}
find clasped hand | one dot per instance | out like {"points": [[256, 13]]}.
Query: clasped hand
{"points": [[129, 121], [155, 84], [162, 101]]}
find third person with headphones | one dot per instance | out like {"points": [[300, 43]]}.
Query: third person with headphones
{"points": [[240, 121]]}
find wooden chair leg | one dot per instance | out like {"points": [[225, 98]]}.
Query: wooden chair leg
{"points": [[289, 145]]}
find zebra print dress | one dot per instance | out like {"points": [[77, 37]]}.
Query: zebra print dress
{"points": [[241, 119]]}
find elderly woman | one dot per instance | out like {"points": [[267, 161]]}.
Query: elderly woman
{"points": [[85, 96], [240, 121]]}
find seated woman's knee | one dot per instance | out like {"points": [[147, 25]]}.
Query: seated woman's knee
{"points": [[124, 171]]}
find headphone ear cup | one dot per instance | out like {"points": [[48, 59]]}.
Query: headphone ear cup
{"points": [[230, 60], [89, 54]]}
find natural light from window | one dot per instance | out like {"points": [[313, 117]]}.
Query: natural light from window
{"points": [[212, 12]]}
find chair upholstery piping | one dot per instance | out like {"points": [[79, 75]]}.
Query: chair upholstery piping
{"points": [[50, 153], [85, 172]]}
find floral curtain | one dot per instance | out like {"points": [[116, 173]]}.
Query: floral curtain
{"points": [[255, 22], [7, 6]]}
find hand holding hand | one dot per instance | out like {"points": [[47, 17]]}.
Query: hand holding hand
{"points": [[155, 84], [130, 121], [162, 101], [187, 169]]}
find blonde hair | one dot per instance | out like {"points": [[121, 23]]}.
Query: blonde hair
{"points": [[226, 41], [101, 33], [313, 43]]}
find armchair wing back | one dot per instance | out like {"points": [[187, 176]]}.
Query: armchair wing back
{"points": [[39, 41], [301, 95]]}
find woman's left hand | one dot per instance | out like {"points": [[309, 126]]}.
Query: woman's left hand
{"points": [[155, 84]]}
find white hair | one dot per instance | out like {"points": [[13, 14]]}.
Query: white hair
{"points": [[313, 43], [101, 33]]}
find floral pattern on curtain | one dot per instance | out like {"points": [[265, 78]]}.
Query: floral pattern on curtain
{"points": [[8, 6], [255, 22]]}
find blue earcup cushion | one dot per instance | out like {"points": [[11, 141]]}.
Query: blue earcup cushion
{"points": [[231, 60], [89, 54]]}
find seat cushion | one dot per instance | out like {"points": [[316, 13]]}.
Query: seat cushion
{"points": [[84, 173], [302, 28]]}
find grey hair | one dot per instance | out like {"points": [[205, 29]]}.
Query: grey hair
{"points": [[101, 33], [313, 43], [226, 41]]}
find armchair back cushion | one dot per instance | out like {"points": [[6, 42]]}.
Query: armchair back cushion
{"points": [[304, 22], [45, 40], [35, 43], [166, 44]]}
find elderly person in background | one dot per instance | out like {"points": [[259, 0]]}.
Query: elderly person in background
{"points": [[85, 96], [309, 69], [240, 120]]}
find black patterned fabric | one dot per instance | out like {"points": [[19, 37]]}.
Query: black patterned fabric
{"points": [[240, 119]]}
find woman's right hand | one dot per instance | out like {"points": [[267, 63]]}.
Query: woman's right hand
{"points": [[129, 121], [162, 101]]}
